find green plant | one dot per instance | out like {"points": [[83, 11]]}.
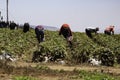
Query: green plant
{"points": [[24, 78], [19, 43]]}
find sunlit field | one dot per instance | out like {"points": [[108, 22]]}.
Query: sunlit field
{"points": [[24, 45]]}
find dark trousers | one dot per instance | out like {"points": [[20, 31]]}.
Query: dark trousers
{"points": [[88, 33], [39, 35], [107, 32]]}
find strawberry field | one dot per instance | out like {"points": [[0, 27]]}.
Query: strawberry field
{"points": [[24, 45]]}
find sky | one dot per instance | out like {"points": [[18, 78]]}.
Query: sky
{"points": [[79, 14]]}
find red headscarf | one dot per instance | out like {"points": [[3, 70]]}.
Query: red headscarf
{"points": [[65, 25]]}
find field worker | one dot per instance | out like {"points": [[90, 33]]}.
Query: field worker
{"points": [[109, 30], [66, 32], [89, 31], [39, 31], [12, 25], [26, 27]]}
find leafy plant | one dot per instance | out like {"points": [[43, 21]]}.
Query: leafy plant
{"points": [[24, 78], [19, 43]]}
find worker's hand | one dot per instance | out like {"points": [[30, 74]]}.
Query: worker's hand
{"points": [[70, 38]]}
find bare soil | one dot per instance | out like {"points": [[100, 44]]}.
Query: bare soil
{"points": [[21, 68]]}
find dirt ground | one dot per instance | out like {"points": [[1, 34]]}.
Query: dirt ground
{"points": [[21, 68]]}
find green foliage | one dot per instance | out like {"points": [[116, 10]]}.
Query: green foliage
{"points": [[24, 78], [86, 75], [18, 43], [96, 76]]}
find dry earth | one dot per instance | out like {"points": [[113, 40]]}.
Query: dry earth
{"points": [[27, 69]]}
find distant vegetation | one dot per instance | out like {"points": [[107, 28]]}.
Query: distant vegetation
{"points": [[25, 44]]}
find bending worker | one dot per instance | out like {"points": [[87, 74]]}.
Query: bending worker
{"points": [[66, 32], [89, 31], [109, 30], [39, 31]]}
